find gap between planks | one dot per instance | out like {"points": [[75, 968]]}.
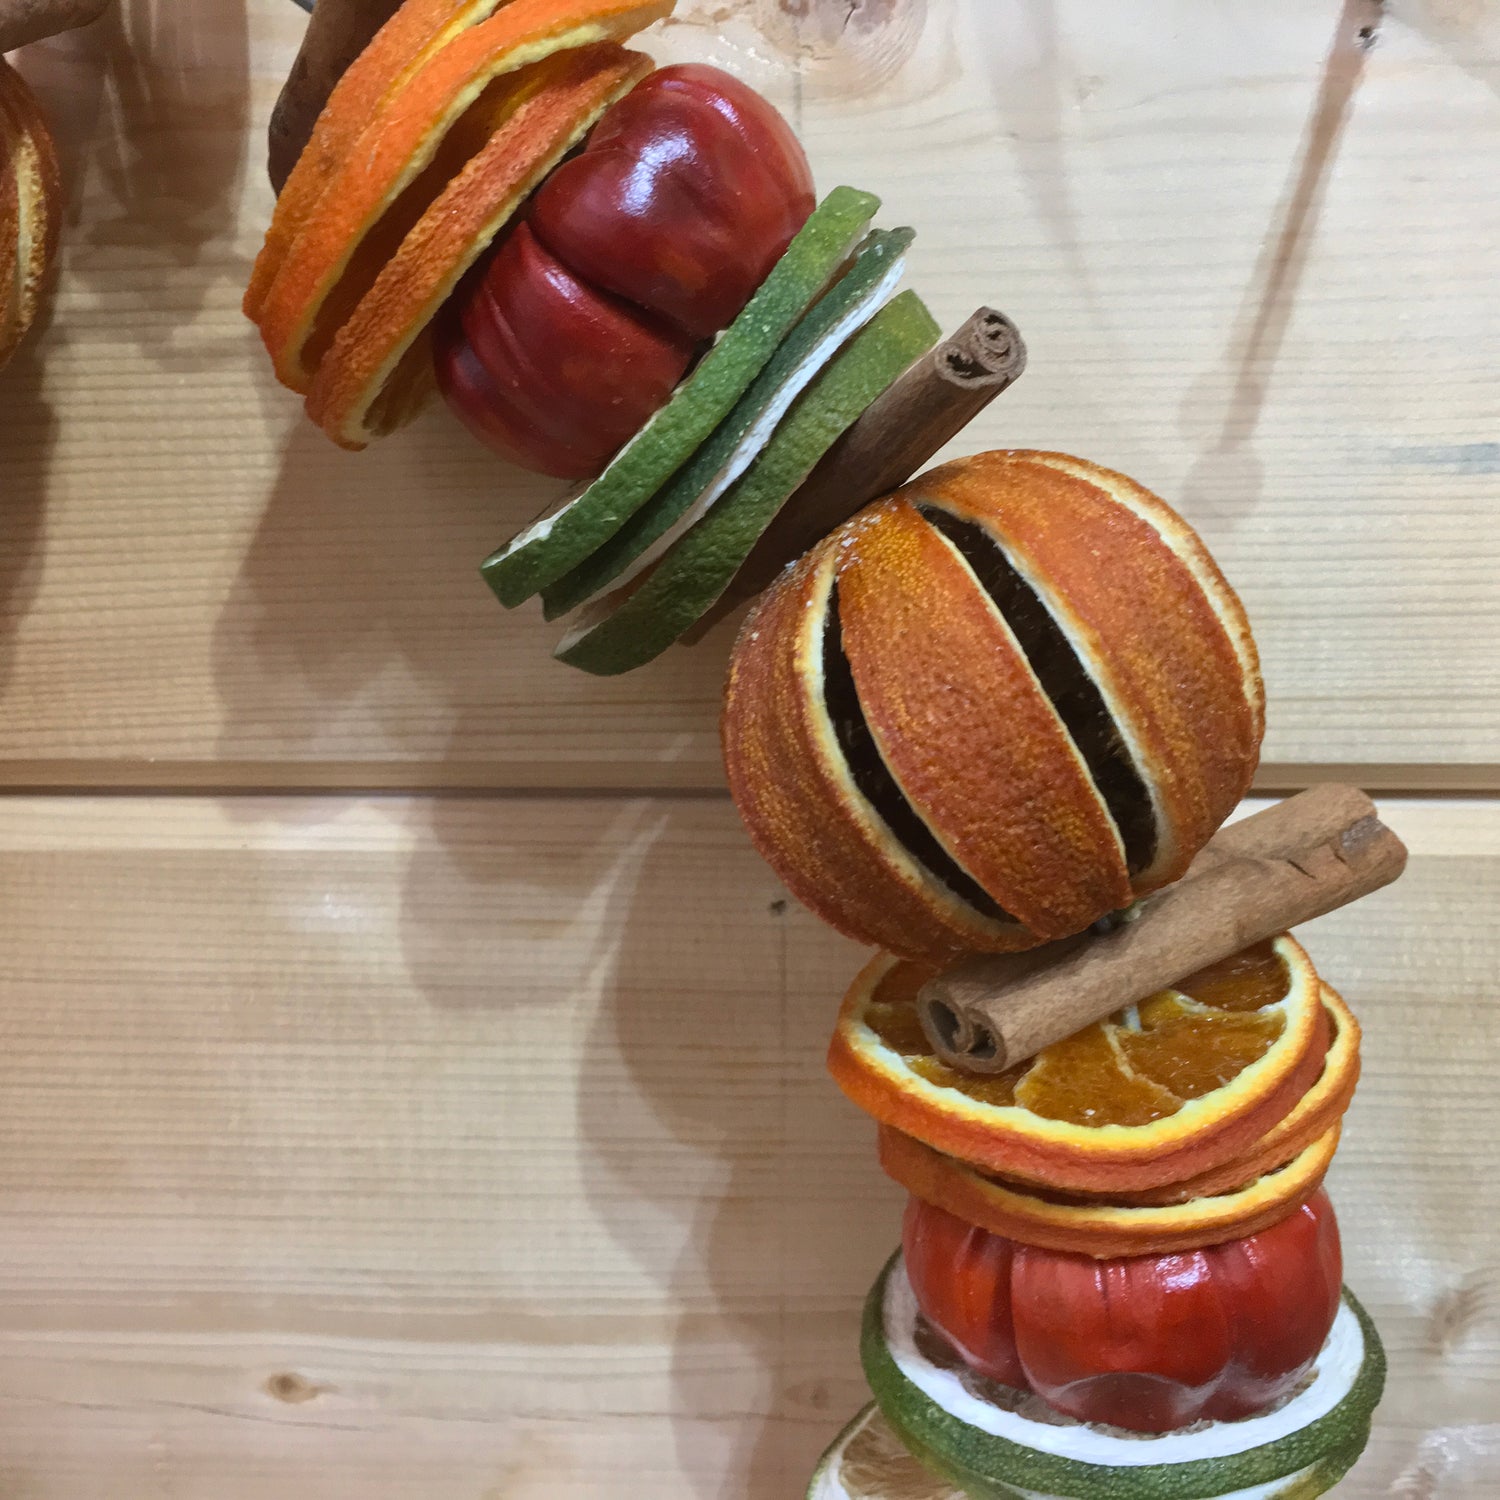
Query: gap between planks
{"points": [[587, 781]]}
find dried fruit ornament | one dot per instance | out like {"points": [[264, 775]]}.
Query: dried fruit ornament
{"points": [[978, 715]]}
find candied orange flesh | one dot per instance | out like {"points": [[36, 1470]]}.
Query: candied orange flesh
{"points": [[1141, 1065]]}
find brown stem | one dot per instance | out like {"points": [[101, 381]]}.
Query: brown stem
{"points": [[26, 21], [1294, 861], [934, 400]]}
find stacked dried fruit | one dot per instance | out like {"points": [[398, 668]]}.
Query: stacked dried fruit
{"points": [[991, 710], [985, 713]]}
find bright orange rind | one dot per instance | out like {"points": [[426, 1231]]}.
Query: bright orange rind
{"points": [[414, 33], [416, 144], [992, 708], [1102, 1229], [379, 362]]}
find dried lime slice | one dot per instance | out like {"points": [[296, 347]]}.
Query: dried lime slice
{"points": [[634, 624], [839, 313], [554, 545]]}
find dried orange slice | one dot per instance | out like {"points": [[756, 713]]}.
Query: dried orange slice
{"points": [[412, 35], [31, 199], [1101, 1229], [379, 361], [1161, 1092], [404, 158]]}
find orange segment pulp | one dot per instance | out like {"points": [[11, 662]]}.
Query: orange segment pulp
{"points": [[1159, 1092]]}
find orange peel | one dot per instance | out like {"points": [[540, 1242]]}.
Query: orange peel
{"points": [[1105, 1229], [397, 167], [367, 382], [1169, 1092], [31, 201]]}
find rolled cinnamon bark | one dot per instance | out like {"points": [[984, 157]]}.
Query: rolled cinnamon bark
{"points": [[337, 33], [932, 402], [1297, 860], [25, 21]]}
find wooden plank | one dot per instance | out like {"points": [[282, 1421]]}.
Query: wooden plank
{"points": [[198, 590], [481, 1147]]}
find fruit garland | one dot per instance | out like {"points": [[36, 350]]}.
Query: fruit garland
{"points": [[989, 721]]}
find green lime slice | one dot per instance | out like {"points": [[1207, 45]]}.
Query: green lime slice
{"points": [[838, 314], [554, 545], [628, 628], [1292, 1452]]}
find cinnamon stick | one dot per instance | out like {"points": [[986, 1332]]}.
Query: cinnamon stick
{"points": [[338, 31], [932, 402], [1297, 860], [26, 21]]}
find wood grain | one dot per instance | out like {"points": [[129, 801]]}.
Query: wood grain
{"points": [[1275, 310], [480, 1147]]}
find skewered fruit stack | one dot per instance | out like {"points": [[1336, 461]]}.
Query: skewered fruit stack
{"points": [[1124, 1235], [31, 206], [983, 715]]}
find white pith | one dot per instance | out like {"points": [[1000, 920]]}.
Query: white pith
{"points": [[1337, 1369]]}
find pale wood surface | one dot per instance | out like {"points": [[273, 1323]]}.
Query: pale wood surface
{"points": [[1286, 327], [481, 1148]]}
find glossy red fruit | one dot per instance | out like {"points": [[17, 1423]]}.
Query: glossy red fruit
{"points": [[686, 194], [548, 371], [1148, 1342]]}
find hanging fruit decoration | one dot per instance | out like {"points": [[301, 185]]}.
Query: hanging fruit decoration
{"points": [[989, 720]]}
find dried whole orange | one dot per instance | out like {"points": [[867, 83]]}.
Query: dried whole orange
{"points": [[1100, 1228], [379, 362], [31, 203], [992, 707], [427, 131], [1184, 1083]]}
